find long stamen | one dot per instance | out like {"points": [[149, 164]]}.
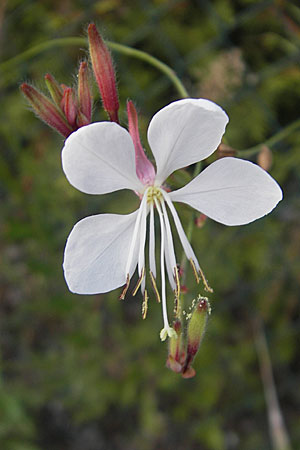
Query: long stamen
{"points": [[185, 243], [169, 248], [141, 261], [167, 330]]}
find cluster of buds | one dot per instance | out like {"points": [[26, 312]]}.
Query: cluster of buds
{"points": [[181, 356], [68, 109]]}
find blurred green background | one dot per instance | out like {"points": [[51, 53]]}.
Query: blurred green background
{"points": [[86, 372]]}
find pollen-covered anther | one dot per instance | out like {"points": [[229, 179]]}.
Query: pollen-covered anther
{"points": [[122, 296], [145, 305], [207, 288], [177, 293], [195, 271], [153, 282], [139, 282], [153, 193]]}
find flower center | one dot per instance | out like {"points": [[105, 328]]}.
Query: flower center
{"points": [[153, 193]]}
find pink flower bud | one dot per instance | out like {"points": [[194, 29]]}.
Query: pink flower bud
{"points": [[84, 93], [69, 106], [144, 168], [176, 354], [46, 110], [104, 72]]}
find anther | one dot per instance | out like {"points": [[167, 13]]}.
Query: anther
{"points": [[122, 296], [195, 271], [139, 282], [207, 288], [145, 305], [153, 282], [177, 293]]}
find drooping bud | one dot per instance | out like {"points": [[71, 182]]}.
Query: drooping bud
{"points": [[195, 333], [104, 73], [265, 158], [46, 110], [54, 89], [176, 356], [225, 150], [84, 93], [200, 220], [144, 168], [69, 106]]}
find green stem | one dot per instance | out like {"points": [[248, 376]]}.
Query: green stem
{"points": [[77, 41], [282, 134]]}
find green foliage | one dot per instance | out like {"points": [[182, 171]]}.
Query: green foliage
{"points": [[86, 373]]}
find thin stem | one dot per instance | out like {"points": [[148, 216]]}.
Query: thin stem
{"points": [[77, 41], [278, 432], [273, 140]]}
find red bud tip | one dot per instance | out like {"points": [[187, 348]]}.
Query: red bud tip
{"points": [[104, 72], [84, 93], [46, 110]]}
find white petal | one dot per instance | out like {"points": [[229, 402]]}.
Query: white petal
{"points": [[231, 191], [100, 158], [184, 132], [96, 253]]}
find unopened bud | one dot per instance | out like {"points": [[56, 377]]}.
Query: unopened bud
{"points": [[224, 150], [195, 333], [84, 93], [176, 354], [54, 89], [46, 110], [144, 168], [69, 106], [265, 158], [200, 220], [104, 72]]}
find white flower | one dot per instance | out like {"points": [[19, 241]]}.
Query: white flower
{"points": [[103, 251]]}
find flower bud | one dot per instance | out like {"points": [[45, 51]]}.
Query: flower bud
{"points": [[104, 73], [195, 333], [225, 150], [84, 93], [144, 168], [69, 107], [46, 110], [265, 158], [176, 354], [54, 89], [200, 220]]}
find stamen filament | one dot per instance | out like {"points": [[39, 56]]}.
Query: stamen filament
{"points": [[169, 247], [162, 269], [135, 235]]}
